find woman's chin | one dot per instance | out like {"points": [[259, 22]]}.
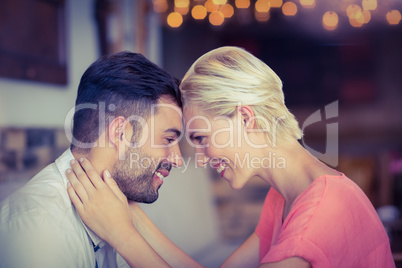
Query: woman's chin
{"points": [[236, 185]]}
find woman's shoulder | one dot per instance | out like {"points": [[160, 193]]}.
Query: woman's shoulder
{"points": [[334, 218], [340, 191], [330, 186], [328, 199], [338, 202]]}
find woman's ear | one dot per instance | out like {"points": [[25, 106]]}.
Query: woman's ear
{"points": [[117, 131], [247, 116]]}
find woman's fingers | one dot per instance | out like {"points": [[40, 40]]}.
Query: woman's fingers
{"points": [[102, 207], [82, 176], [77, 187], [85, 180], [75, 199], [90, 173], [113, 186]]}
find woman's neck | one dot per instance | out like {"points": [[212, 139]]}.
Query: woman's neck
{"points": [[298, 173]]}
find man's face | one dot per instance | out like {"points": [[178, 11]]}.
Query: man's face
{"points": [[141, 172]]}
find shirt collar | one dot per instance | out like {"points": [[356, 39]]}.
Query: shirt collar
{"points": [[63, 163]]}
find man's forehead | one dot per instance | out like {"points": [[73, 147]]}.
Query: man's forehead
{"points": [[165, 103], [168, 117], [168, 100]]}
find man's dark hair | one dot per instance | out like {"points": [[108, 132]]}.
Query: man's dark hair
{"points": [[122, 84]]}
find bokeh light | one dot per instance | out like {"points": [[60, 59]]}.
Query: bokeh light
{"points": [[175, 19], [367, 16], [216, 18], [289, 9], [276, 3], [355, 15], [219, 2], [242, 3], [199, 12], [307, 3], [227, 10], [262, 6], [181, 3], [330, 20], [393, 17], [261, 16], [369, 4], [352, 9], [210, 6], [182, 10]]}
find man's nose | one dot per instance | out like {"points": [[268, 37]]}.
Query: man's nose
{"points": [[175, 156]]}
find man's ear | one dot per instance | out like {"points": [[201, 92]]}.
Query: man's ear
{"points": [[117, 131], [247, 116]]}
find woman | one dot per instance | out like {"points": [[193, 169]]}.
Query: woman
{"points": [[234, 110]]}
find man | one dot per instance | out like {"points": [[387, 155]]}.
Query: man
{"points": [[128, 121]]}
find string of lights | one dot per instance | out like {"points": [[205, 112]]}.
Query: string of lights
{"points": [[358, 12]]}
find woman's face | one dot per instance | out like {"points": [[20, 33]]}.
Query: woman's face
{"points": [[222, 143]]}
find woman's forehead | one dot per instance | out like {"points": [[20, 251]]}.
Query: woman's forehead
{"points": [[191, 110]]}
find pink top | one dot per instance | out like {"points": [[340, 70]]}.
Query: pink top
{"points": [[331, 224]]}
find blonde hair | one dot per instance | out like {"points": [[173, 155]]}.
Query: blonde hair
{"points": [[224, 78]]}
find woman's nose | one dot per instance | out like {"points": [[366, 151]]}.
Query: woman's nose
{"points": [[201, 159]]}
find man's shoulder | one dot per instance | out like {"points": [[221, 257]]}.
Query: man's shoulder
{"points": [[44, 195], [38, 225]]}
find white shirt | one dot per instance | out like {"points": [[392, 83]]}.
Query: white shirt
{"points": [[39, 226]]}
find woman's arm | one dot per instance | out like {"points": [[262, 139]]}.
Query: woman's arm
{"points": [[106, 213], [247, 255], [171, 253], [292, 262]]}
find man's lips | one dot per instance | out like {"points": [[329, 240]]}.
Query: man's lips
{"points": [[161, 174]]}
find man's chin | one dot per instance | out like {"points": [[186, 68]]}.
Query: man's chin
{"points": [[144, 199]]}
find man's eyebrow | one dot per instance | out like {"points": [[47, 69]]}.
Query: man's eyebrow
{"points": [[174, 130]]}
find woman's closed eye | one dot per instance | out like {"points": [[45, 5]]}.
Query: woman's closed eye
{"points": [[199, 139]]}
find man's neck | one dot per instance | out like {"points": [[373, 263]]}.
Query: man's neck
{"points": [[99, 161]]}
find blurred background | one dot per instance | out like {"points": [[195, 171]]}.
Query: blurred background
{"points": [[344, 53]]}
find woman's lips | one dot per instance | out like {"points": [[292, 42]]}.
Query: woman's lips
{"points": [[220, 168]]}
